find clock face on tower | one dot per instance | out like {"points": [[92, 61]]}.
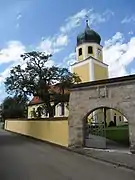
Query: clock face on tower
{"points": [[99, 53]]}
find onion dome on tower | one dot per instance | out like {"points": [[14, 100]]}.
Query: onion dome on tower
{"points": [[88, 36]]}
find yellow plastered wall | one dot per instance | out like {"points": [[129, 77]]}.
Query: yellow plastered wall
{"points": [[108, 116], [100, 57], [110, 113], [83, 72], [55, 131], [91, 55], [100, 72], [80, 58], [100, 115], [118, 114]]}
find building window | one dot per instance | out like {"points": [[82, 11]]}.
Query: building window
{"points": [[39, 112], [99, 52], [61, 109], [114, 118], [45, 113], [33, 113], [80, 51], [119, 118], [90, 50]]}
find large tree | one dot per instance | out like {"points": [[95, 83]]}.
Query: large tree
{"points": [[37, 79], [14, 107]]}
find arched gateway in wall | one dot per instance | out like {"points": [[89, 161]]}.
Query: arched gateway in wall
{"points": [[115, 93]]}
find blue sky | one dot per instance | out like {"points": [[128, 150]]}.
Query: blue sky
{"points": [[52, 26]]}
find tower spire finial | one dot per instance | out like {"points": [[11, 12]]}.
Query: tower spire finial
{"points": [[87, 21]]}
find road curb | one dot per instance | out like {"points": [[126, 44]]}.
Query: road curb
{"points": [[118, 164]]}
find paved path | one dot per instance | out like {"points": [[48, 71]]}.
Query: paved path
{"points": [[25, 159], [120, 157]]}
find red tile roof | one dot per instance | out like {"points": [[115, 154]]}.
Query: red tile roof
{"points": [[37, 100]]}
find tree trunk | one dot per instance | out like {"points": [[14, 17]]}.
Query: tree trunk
{"points": [[50, 110], [51, 115]]}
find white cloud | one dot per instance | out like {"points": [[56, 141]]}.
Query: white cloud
{"points": [[73, 21], [130, 32], [46, 45], [118, 55], [12, 52], [128, 19], [19, 16], [94, 18], [118, 37], [4, 74], [57, 42], [70, 59], [53, 44], [17, 25], [61, 40], [49, 63]]}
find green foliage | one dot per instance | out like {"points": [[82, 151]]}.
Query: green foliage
{"points": [[36, 79], [119, 134], [14, 107]]}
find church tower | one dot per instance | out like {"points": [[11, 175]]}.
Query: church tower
{"points": [[89, 64]]}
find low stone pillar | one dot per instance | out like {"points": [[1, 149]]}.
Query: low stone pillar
{"points": [[75, 132]]}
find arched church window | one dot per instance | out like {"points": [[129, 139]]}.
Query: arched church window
{"points": [[119, 118], [61, 109], [33, 113], [90, 50], [80, 51], [39, 112], [99, 52]]}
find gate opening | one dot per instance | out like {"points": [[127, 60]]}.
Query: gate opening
{"points": [[106, 128]]}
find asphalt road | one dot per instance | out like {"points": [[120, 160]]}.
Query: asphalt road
{"points": [[25, 159]]}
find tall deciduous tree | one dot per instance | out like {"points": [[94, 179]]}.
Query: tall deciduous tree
{"points": [[37, 79], [14, 107]]}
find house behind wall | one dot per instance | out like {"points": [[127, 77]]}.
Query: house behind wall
{"points": [[60, 111]]}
